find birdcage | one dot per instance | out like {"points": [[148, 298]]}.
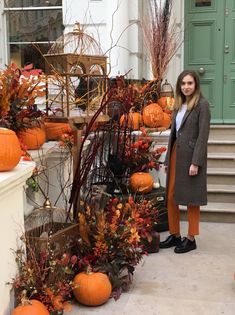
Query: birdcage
{"points": [[77, 76], [48, 226]]}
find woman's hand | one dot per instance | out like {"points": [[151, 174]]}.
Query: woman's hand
{"points": [[193, 170]]}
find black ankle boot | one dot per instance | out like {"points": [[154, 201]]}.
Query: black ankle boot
{"points": [[185, 246], [171, 241]]}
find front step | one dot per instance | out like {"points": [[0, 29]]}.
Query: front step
{"points": [[222, 145], [220, 176], [221, 193], [221, 132], [213, 212], [221, 160]]}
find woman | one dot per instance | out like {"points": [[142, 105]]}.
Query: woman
{"points": [[186, 161]]}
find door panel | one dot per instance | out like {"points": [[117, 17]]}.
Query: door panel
{"points": [[203, 37], [205, 31], [229, 64]]}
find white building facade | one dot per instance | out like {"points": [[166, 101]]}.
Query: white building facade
{"points": [[115, 24]]}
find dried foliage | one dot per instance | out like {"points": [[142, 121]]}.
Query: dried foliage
{"points": [[17, 99], [111, 238], [161, 37], [44, 277], [141, 154]]}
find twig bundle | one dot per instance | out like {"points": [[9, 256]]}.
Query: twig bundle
{"points": [[160, 35]]}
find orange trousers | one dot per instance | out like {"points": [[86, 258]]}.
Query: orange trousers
{"points": [[173, 208]]}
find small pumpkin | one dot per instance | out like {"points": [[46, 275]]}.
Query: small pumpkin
{"points": [[131, 120], [141, 182], [10, 152], [166, 102], [33, 138], [55, 130], [152, 115], [166, 121], [92, 288], [30, 307]]}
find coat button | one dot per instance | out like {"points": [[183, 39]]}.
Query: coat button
{"points": [[178, 145]]}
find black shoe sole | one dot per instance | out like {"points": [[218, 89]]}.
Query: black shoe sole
{"points": [[184, 250]]}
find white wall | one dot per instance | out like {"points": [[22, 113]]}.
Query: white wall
{"points": [[177, 63], [3, 47], [97, 17], [12, 227]]}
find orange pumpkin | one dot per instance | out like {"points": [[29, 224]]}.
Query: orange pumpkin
{"points": [[166, 121], [31, 307], [55, 130], [92, 288], [131, 120], [141, 182], [166, 102], [152, 115], [33, 138], [10, 151]]}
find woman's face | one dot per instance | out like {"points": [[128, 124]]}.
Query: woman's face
{"points": [[188, 85]]}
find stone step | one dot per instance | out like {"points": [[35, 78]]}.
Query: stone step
{"points": [[221, 193], [214, 212], [222, 176], [222, 145], [222, 132], [221, 159]]}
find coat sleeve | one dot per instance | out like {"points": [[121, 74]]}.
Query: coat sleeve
{"points": [[200, 149]]}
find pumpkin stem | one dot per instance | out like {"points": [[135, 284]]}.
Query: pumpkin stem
{"points": [[24, 300], [89, 270]]}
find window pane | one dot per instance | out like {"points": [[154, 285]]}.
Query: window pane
{"points": [[32, 3], [25, 54], [203, 3], [34, 26]]}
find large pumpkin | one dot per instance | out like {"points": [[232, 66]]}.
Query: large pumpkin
{"points": [[131, 120], [33, 138], [55, 130], [10, 151], [92, 288], [31, 307], [166, 102], [152, 115], [141, 182], [166, 121]]}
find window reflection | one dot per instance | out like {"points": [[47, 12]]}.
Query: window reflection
{"points": [[203, 3], [32, 3], [23, 54], [30, 26]]}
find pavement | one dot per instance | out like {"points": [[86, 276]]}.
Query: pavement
{"points": [[200, 282]]}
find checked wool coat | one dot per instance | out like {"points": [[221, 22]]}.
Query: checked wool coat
{"points": [[191, 148]]}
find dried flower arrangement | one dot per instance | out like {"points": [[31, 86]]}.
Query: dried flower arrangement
{"points": [[141, 154], [161, 36], [112, 238], [44, 277], [17, 99], [109, 240]]}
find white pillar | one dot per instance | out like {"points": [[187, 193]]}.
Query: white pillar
{"points": [[12, 227], [117, 36]]}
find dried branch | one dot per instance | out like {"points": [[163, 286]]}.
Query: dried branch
{"points": [[160, 35]]}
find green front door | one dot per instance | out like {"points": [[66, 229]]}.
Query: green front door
{"points": [[210, 50]]}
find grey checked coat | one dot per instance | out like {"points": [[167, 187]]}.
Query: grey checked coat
{"points": [[191, 148]]}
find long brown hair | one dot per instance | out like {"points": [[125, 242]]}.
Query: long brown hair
{"points": [[180, 97]]}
